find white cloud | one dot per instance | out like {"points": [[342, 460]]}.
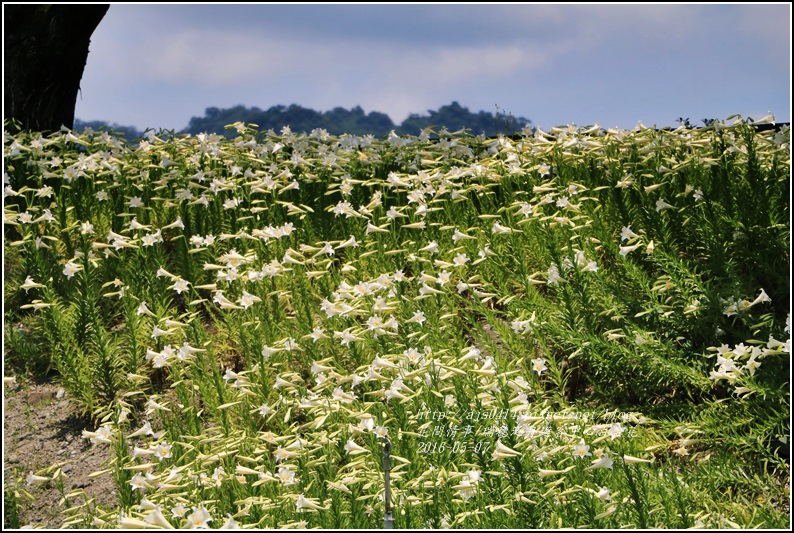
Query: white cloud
{"points": [[214, 58], [388, 78]]}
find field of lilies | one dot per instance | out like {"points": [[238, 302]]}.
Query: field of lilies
{"points": [[575, 328]]}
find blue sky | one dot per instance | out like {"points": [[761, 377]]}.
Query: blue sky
{"points": [[158, 65]]}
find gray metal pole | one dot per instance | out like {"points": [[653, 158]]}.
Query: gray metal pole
{"points": [[388, 520]]}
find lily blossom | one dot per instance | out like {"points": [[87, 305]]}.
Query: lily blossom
{"points": [[503, 452]]}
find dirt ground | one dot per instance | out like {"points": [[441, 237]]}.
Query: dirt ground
{"points": [[41, 429]]}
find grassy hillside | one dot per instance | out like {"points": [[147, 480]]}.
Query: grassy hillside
{"points": [[578, 328]]}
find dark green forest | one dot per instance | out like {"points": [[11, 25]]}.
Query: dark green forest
{"points": [[337, 121]]}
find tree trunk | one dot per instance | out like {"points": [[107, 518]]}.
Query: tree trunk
{"points": [[46, 48]]}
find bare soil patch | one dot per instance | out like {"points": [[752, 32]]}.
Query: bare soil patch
{"points": [[41, 428]]}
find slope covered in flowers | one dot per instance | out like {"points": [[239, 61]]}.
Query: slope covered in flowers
{"points": [[556, 330]]}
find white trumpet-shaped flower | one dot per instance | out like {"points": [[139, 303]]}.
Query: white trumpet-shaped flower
{"points": [[354, 449], [307, 503], [503, 452]]}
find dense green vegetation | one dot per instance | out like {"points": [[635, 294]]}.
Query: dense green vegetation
{"points": [[574, 328]]}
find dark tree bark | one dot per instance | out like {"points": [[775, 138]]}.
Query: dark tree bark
{"points": [[46, 48]]}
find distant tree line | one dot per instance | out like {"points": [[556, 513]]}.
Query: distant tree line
{"points": [[298, 118], [337, 121], [130, 132], [355, 121]]}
